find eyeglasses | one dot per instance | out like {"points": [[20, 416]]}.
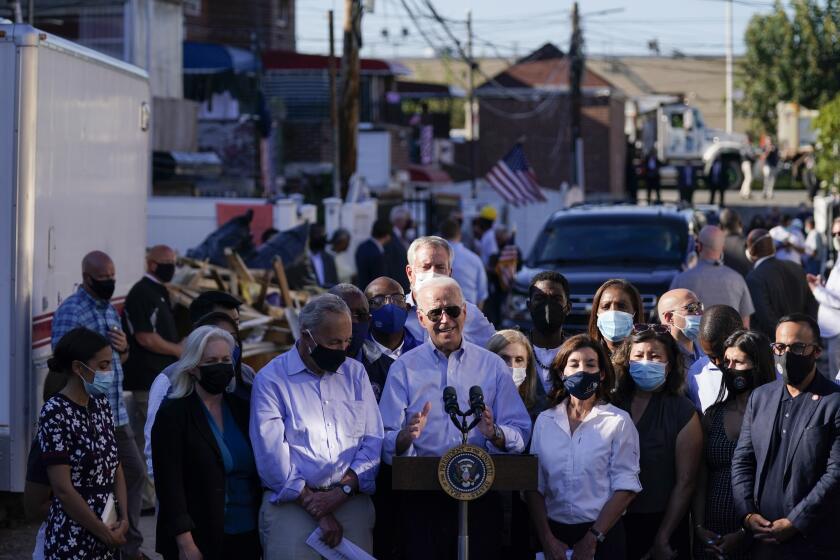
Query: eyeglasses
{"points": [[640, 328], [798, 348], [435, 315], [379, 301], [695, 308]]}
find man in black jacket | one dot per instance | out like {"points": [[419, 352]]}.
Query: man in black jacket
{"points": [[370, 255], [777, 287], [323, 263], [786, 467]]}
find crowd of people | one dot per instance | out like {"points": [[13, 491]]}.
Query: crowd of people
{"points": [[704, 428]]}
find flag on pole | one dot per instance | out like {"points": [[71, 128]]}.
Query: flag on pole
{"points": [[514, 179]]}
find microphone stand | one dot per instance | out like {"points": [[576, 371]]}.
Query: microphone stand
{"points": [[463, 505]]}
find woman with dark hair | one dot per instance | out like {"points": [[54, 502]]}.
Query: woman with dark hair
{"points": [[747, 364], [79, 450], [616, 307], [650, 381], [588, 453]]}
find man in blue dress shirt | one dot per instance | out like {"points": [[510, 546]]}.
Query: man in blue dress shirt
{"points": [[416, 424], [317, 438]]}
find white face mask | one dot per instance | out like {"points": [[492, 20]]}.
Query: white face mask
{"points": [[422, 277], [519, 375], [836, 243]]}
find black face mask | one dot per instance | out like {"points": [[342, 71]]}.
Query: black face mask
{"points": [[216, 377], [360, 333], [737, 381], [103, 289], [164, 272], [793, 367], [548, 316], [317, 244], [326, 358]]}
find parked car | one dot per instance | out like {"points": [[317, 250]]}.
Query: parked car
{"points": [[590, 244]]}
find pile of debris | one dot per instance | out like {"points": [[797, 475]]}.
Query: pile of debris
{"points": [[269, 314]]}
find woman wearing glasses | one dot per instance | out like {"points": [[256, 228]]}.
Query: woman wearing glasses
{"points": [[747, 364], [588, 454], [616, 306], [650, 381]]}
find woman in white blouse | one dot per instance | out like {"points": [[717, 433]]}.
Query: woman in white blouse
{"points": [[588, 454]]}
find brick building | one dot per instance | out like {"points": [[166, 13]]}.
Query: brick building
{"points": [[234, 22], [530, 101]]}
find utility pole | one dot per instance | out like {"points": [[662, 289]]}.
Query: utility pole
{"points": [[470, 112], [349, 116], [729, 66], [336, 154], [576, 65]]}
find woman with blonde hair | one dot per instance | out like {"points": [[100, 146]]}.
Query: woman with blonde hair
{"points": [[205, 473], [515, 349]]}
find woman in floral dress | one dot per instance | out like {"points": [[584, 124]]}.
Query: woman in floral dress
{"points": [[78, 447]]}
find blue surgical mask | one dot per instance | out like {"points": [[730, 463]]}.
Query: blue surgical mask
{"points": [[692, 326], [101, 384], [615, 326], [582, 384], [389, 319], [648, 376]]}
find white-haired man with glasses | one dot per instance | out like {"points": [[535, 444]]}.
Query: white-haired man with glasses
{"points": [[416, 424]]}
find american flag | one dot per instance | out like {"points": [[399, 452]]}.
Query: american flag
{"points": [[514, 179]]}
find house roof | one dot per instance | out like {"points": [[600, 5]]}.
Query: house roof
{"points": [[287, 60], [544, 74]]}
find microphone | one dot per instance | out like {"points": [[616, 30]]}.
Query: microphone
{"points": [[476, 400], [450, 401]]}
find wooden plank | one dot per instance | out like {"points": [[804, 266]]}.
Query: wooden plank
{"points": [[283, 282], [266, 279], [513, 473], [237, 265], [218, 279]]}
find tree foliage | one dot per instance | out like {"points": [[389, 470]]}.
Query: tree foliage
{"points": [[792, 54], [828, 123]]}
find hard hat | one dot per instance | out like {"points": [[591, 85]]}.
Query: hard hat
{"points": [[488, 213]]}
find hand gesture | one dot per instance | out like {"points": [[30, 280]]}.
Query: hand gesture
{"points": [[554, 549], [783, 530], [119, 342], [761, 528], [319, 504], [417, 423], [662, 551], [585, 548], [709, 540], [331, 529], [814, 281], [110, 536], [487, 426]]}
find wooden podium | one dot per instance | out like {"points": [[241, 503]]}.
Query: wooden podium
{"points": [[512, 473]]}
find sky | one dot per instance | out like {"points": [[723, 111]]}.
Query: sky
{"points": [[509, 29]]}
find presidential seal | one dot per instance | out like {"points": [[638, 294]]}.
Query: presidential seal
{"points": [[466, 472]]}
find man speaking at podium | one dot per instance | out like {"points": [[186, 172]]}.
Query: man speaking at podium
{"points": [[417, 425]]}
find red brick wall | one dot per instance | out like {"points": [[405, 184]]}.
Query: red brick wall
{"points": [[546, 135]]}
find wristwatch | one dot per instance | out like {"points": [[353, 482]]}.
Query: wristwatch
{"points": [[497, 432], [347, 489], [599, 536]]}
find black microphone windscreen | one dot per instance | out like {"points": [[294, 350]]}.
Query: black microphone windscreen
{"points": [[450, 400]]}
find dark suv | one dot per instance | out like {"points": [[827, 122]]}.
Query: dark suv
{"points": [[591, 244]]}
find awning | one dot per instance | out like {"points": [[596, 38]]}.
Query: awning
{"points": [[213, 58], [427, 174], [287, 60], [427, 90]]}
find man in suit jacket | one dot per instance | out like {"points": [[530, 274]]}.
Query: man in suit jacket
{"points": [[323, 263], [370, 255], [397, 248], [786, 467], [777, 287]]}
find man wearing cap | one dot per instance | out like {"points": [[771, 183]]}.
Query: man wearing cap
{"points": [[777, 287], [489, 246]]}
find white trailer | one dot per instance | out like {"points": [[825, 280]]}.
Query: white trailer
{"points": [[74, 176]]}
